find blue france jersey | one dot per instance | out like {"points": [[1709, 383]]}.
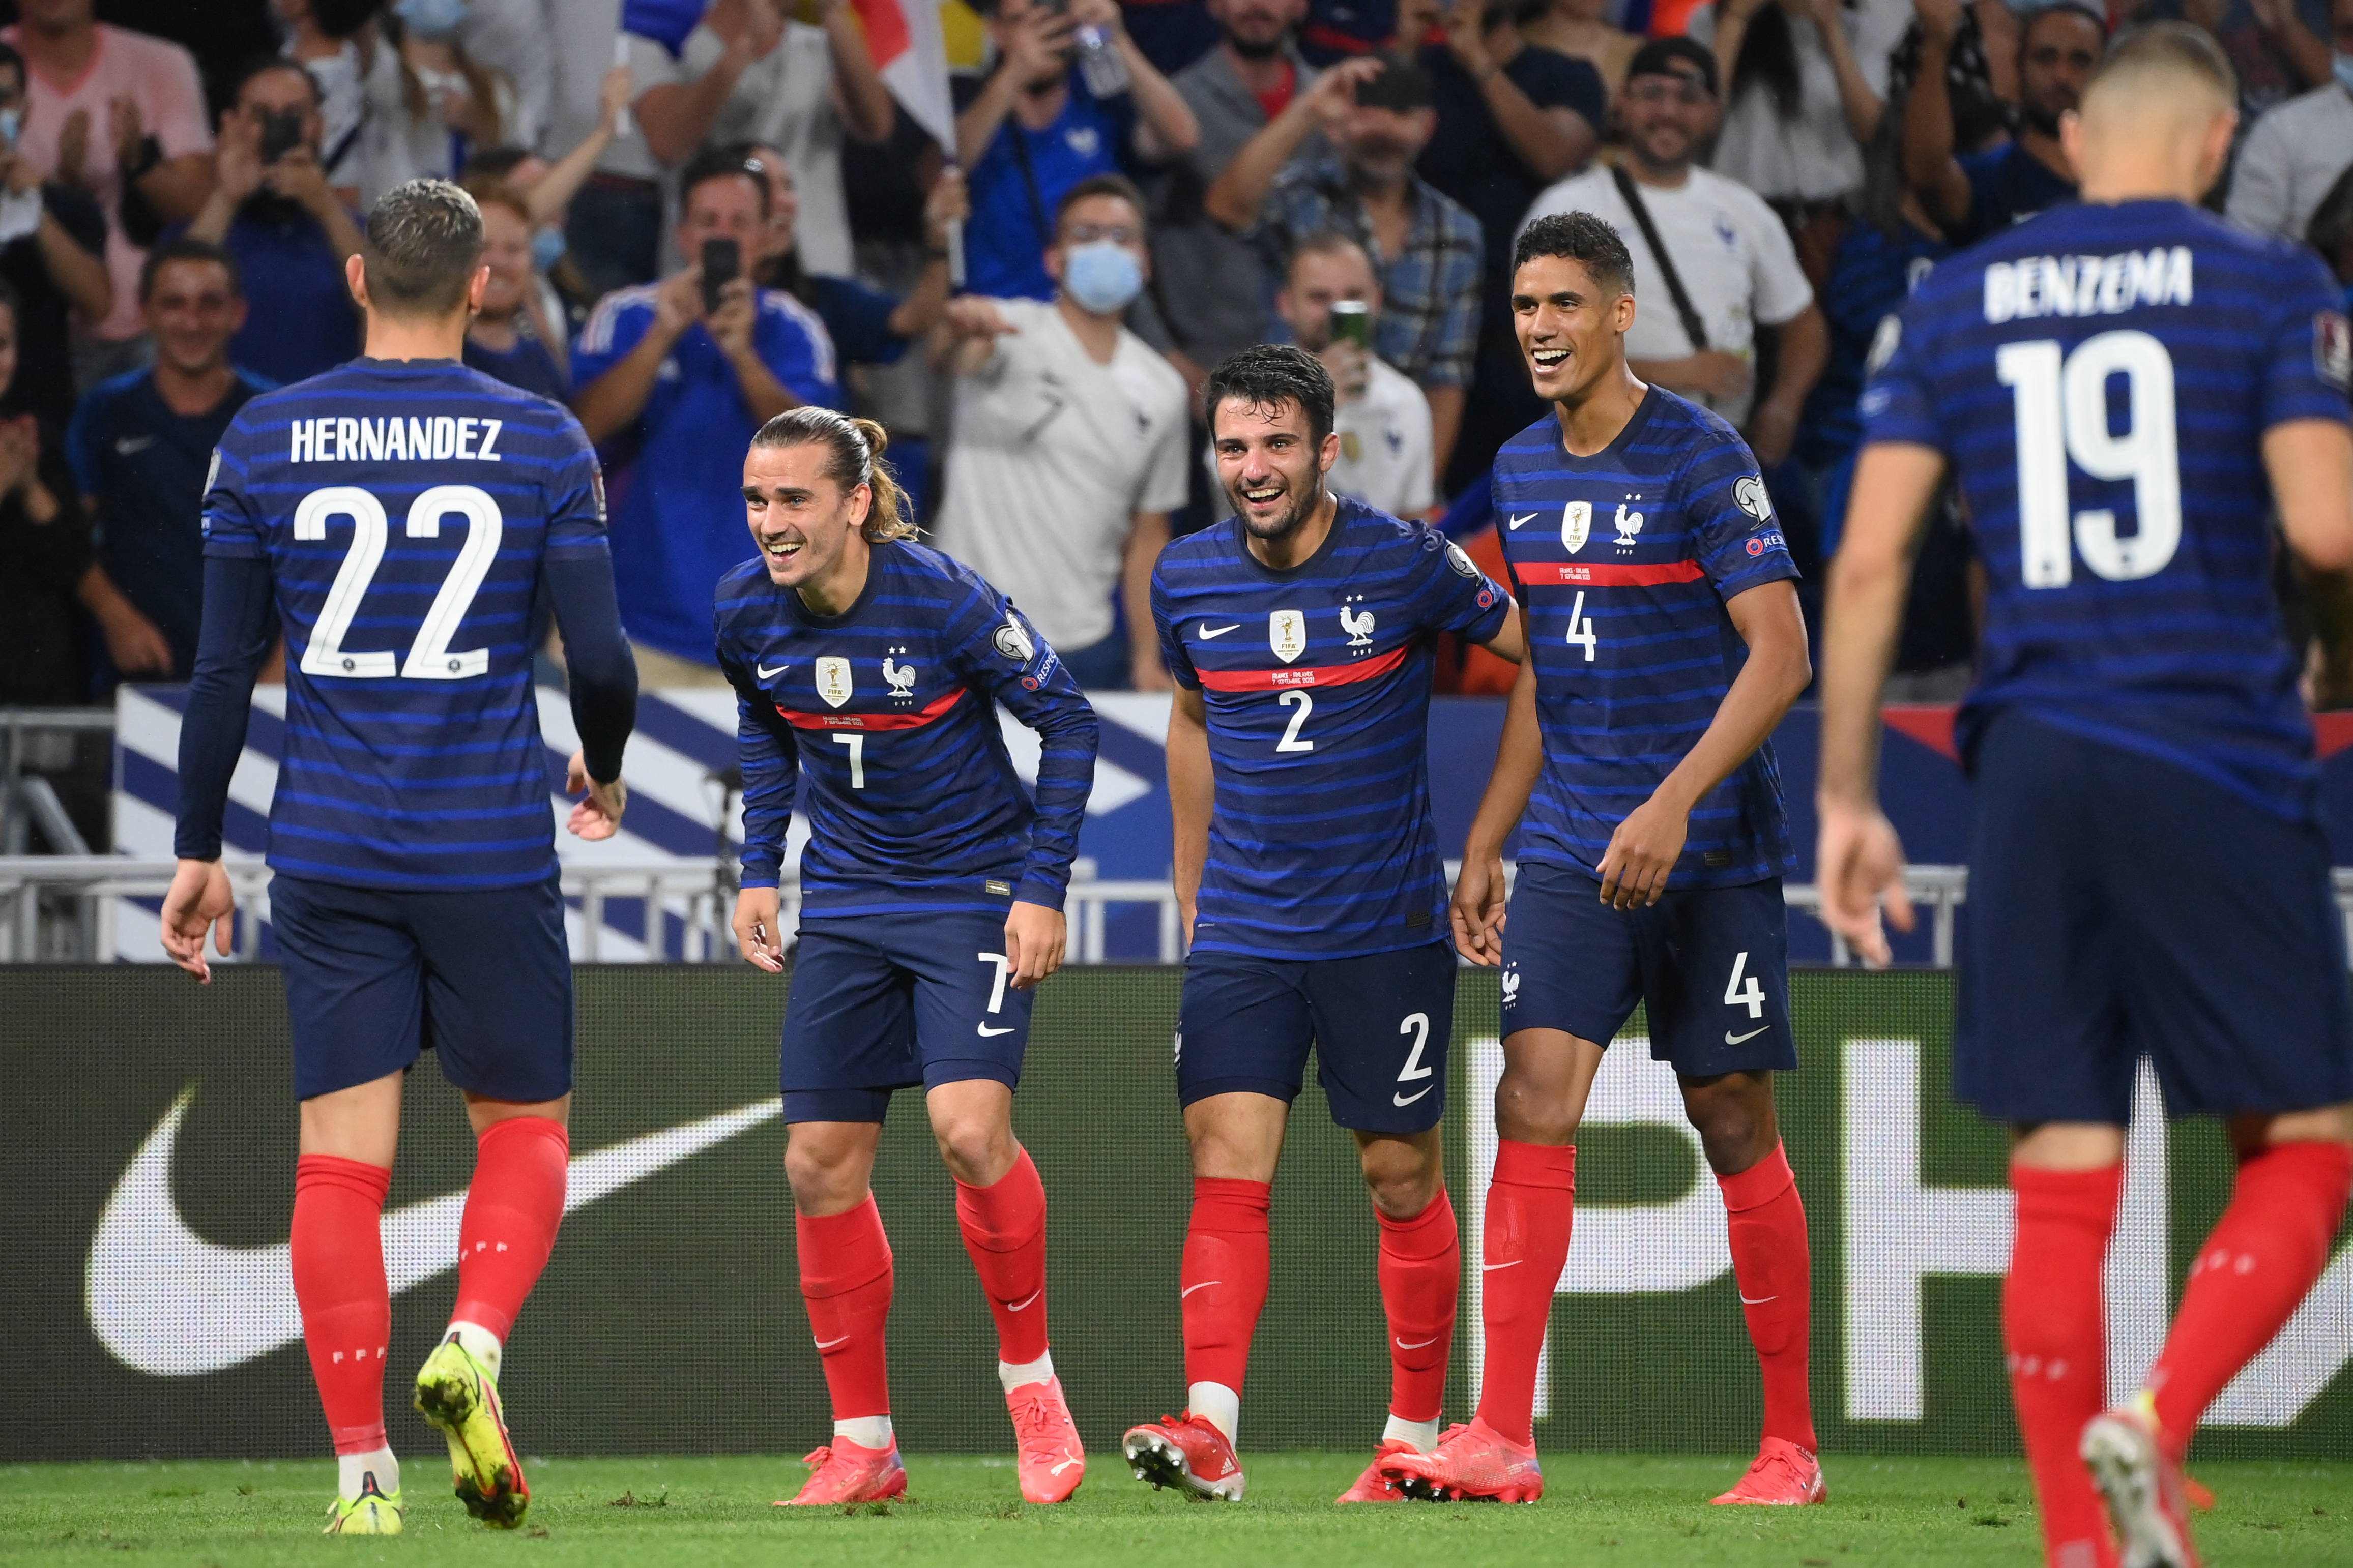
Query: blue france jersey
{"points": [[1316, 680], [890, 710], [404, 509], [2101, 378], [1625, 560]]}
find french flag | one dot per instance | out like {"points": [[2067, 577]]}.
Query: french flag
{"points": [[904, 35]]}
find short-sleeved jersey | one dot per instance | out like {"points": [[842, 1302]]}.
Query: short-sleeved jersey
{"points": [[2101, 377], [1316, 680], [890, 710], [404, 509], [1625, 560]]}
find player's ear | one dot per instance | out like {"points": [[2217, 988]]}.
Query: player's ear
{"points": [[355, 279], [1621, 312], [1329, 453], [861, 507], [476, 289]]}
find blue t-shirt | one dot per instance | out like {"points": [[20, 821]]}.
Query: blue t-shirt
{"points": [[527, 366], [2007, 184], [1013, 206], [2101, 378], [1871, 276], [404, 509], [682, 524], [1316, 680], [1624, 560], [889, 709], [301, 320]]}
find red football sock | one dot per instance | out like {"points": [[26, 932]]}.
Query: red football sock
{"points": [[1227, 1262], [846, 1282], [2266, 1251], [339, 1282], [1531, 1204], [1004, 1226], [1775, 1272], [2051, 1321], [512, 1209], [1422, 1276]]}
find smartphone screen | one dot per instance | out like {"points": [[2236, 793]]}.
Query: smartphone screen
{"points": [[722, 262]]}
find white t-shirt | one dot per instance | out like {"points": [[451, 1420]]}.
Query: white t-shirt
{"points": [[1386, 457], [1053, 457], [784, 99], [1811, 156], [1730, 250]]}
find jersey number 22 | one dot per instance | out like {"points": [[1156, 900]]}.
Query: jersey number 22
{"points": [[429, 657]]}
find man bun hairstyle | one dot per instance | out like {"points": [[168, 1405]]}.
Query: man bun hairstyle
{"points": [[1268, 375], [854, 450], [2146, 56], [1583, 238], [424, 244]]}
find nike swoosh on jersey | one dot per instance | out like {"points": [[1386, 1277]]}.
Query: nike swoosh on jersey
{"points": [[1408, 1099], [165, 1301], [1207, 634], [1530, 517], [1732, 1039], [988, 1033], [768, 674]]}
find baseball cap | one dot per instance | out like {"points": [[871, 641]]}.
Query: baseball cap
{"points": [[1657, 57]]}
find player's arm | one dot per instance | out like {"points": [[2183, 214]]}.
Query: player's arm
{"points": [[1643, 851], [1478, 908], [769, 755], [235, 639], [1192, 796], [2311, 466], [1511, 638], [604, 679], [1859, 859]]}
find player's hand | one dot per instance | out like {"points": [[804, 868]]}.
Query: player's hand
{"points": [[597, 814], [1642, 854], [1478, 909], [200, 897], [730, 326], [1859, 865], [1034, 939], [758, 937]]}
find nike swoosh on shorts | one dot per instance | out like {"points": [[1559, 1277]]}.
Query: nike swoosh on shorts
{"points": [[1732, 1039], [988, 1033], [1408, 1099]]}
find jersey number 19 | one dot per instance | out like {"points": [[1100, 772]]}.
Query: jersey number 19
{"points": [[2060, 407]]}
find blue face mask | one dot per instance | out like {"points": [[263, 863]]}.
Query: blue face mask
{"points": [[1103, 278], [546, 248], [2345, 71], [11, 121], [431, 18]]}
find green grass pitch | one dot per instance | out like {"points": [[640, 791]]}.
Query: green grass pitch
{"points": [[703, 1513]]}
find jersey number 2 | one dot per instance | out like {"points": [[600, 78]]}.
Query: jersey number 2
{"points": [[429, 657], [2060, 405]]}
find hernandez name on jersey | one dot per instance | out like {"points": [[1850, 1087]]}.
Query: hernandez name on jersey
{"points": [[1316, 680], [1625, 560], [889, 709], [385, 527], [2101, 378]]}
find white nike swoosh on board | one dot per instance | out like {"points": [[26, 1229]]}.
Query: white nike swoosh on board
{"points": [[829, 1345], [1423, 1345], [1207, 634], [1202, 1286], [988, 1033], [1018, 1305], [165, 1301], [1757, 1302], [1529, 518], [1408, 1099], [1491, 1267], [768, 674], [1732, 1039]]}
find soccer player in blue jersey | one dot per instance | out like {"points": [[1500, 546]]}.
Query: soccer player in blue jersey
{"points": [[868, 670], [1664, 644], [2125, 387], [1299, 633], [414, 894]]}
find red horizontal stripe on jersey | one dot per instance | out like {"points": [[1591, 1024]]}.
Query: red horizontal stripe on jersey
{"points": [[1606, 574], [871, 721], [1292, 679]]}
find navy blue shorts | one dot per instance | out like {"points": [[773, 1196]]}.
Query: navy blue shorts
{"points": [[2119, 907], [886, 1002], [373, 977], [1710, 966], [1380, 1025]]}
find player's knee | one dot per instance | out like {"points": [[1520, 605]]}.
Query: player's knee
{"points": [[1529, 1109], [823, 1178], [1401, 1188], [978, 1149], [1734, 1119]]}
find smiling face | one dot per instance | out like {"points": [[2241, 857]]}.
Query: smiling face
{"points": [[1668, 114], [800, 516], [1572, 329], [1270, 464], [194, 310], [506, 251]]}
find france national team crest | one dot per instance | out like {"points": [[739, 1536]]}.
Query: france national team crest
{"points": [[902, 677], [833, 679], [1286, 633], [1629, 524], [1576, 525], [1358, 624]]}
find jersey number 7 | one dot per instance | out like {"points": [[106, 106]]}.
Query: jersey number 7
{"points": [[2061, 404], [429, 657]]}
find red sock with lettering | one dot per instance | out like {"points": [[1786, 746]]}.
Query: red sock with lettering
{"points": [[2266, 1251], [1004, 1226], [338, 1244], [1421, 1277], [846, 1283], [1224, 1279], [2052, 1323], [1531, 1205], [1775, 1272], [512, 1209]]}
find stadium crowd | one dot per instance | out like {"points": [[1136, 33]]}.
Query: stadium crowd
{"points": [[702, 214]]}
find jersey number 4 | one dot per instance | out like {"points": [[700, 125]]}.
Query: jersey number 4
{"points": [[429, 657], [2061, 404]]}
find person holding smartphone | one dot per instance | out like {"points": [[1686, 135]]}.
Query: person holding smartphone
{"points": [[672, 379]]}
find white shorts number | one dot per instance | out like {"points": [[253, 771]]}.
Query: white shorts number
{"points": [[1752, 996]]}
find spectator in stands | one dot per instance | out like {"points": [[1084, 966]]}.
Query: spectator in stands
{"points": [[512, 337], [680, 384], [562, 294], [1728, 255], [1974, 195], [1580, 29], [1070, 441], [1211, 282], [1426, 247], [1980, 73], [333, 40], [121, 116], [436, 102], [53, 253], [521, 41], [2296, 151], [141, 448], [1035, 128], [45, 553], [1511, 120], [2273, 53], [273, 209]]}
